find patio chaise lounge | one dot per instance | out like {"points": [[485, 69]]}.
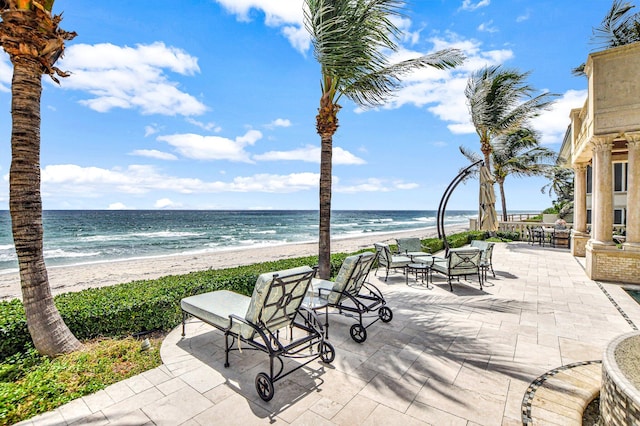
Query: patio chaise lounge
{"points": [[351, 295], [255, 322]]}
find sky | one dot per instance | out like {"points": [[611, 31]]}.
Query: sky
{"points": [[211, 104]]}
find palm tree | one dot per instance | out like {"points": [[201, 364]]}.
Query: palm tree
{"points": [[350, 38], [517, 153], [500, 102], [31, 36], [619, 27]]}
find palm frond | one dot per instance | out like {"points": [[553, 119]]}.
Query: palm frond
{"points": [[350, 40]]}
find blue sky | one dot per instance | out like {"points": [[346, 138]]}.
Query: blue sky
{"points": [[211, 104]]}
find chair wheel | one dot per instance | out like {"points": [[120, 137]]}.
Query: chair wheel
{"points": [[264, 386], [385, 314], [358, 333], [327, 352]]}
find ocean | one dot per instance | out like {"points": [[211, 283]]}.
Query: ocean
{"points": [[89, 236]]}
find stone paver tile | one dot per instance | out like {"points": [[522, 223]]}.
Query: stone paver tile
{"points": [[482, 408], [177, 407], [564, 405], [157, 375], [98, 401], [383, 415], [482, 381], [136, 417], [340, 387], [574, 351], [234, 411], [96, 419], [542, 417], [310, 418], [434, 416], [290, 400], [219, 393], [171, 386], [139, 383], [326, 408], [119, 391], [442, 366], [132, 403], [388, 363], [355, 412], [46, 419], [74, 410], [393, 393], [203, 378]]}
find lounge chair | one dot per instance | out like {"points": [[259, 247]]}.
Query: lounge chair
{"points": [[351, 295], [388, 260], [257, 320], [459, 262], [411, 247], [486, 259]]}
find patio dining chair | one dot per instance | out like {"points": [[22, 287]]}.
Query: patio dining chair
{"points": [[459, 262], [411, 247], [256, 321], [351, 295], [388, 260], [486, 258]]}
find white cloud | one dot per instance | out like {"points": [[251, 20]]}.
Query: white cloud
{"points": [[165, 203], [150, 130], [280, 122], [375, 185], [92, 182], [277, 13], [487, 27], [470, 5], [525, 16], [201, 147], [552, 124], [310, 154], [153, 153], [210, 126], [117, 206], [131, 78], [442, 91]]}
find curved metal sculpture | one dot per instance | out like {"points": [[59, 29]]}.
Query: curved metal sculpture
{"points": [[445, 199]]}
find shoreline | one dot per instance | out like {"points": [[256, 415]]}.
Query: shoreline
{"points": [[71, 278]]}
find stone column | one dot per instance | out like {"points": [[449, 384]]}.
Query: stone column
{"points": [[580, 198], [602, 208], [633, 192]]}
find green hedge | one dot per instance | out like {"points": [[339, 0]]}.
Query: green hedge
{"points": [[138, 306]]}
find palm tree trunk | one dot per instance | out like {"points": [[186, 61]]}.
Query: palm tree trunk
{"points": [[324, 240], [503, 200], [50, 334]]}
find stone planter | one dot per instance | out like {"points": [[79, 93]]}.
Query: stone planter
{"points": [[619, 397]]}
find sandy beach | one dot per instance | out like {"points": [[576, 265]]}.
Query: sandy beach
{"points": [[63, 279]]}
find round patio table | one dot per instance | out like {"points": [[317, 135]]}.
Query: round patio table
{"points": [[423, 268]]}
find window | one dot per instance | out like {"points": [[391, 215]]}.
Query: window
{"points": [[620, 177], [589, 179], [618, 217], [588, 215]]}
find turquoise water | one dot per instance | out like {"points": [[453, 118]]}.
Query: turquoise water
{"points": [[73, 237]]}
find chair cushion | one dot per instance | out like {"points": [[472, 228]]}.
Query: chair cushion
{"points": [[215, 307], [257, 309]]}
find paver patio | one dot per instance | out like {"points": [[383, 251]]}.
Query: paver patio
{"points": [[461, 358]]}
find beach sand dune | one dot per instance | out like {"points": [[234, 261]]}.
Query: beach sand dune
{"points": [[63, 279]]}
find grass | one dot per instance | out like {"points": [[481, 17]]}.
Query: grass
{"points": [[31, 384]]}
